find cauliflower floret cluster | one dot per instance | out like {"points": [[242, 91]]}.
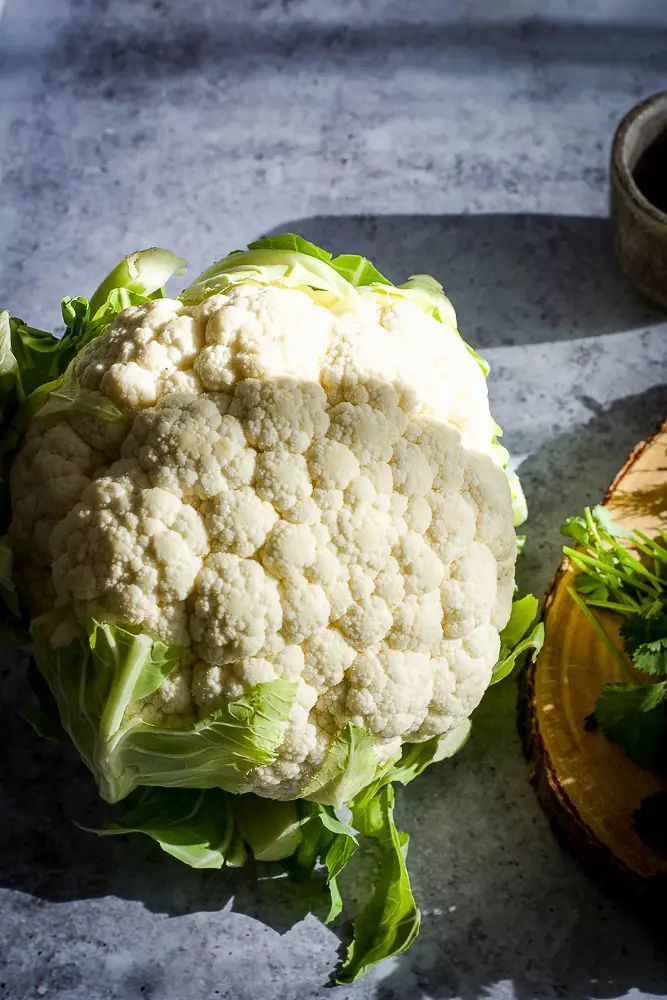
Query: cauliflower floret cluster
{"points": [[290, 491]]}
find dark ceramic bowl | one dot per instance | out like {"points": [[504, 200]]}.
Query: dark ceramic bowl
{"points": [[639, 226]]}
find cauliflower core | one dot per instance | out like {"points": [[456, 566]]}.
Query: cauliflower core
{"points": [[295, 492]]}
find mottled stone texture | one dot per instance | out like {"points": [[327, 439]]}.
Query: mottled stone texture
{"points": [[467, 138]]}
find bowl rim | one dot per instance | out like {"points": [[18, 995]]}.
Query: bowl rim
{"points": [[619, 149]]}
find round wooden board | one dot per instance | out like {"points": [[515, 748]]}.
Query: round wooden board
{"points": [[587, 785]]}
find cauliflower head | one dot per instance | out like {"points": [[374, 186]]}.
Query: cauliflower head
{"points": [[282, 476]]}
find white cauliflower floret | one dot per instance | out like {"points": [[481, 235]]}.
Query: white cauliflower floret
{"points": [[366, 623], [129, 553], [185, 445], [462, 679], [389, 691], [332, 465], [172, 706], [282, 479], [303, 749], [256, 332], [369, 434], [326, 658], [389, 584], [452, 526], [294, 493], [238, 522], [417, 623], [47, 480], [236, 608], [103, 435], [306, 609], [448, 386], [129, 385], [421, 568], [443, 447], [143, 344], [417, 515], [469, 594], [283, 412], [289, 548], [411, 469], [213, 686], [185, 383]]}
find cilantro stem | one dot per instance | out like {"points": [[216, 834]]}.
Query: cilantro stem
{"points": [[622, 609], [634, 564], [649, 547], [594, 623], [592, 526], [581, 559]]}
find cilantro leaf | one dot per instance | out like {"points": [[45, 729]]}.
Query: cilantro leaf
{"points": [[576, 529], [591, 587], [633, 715], [645, 640]]}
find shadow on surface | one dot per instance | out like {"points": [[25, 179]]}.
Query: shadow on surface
{"points": [[513, 279], [44, 787], [652, 500], [506, 912], [524, 910], [160, 41], [575, 469]]}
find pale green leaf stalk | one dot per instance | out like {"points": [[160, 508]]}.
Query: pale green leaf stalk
{"points": [[70, 398], [349, 766], [98, 679], [290, 269], [142, 272]]}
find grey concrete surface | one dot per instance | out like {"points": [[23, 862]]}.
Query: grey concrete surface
{"points": [[466, 138]]}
